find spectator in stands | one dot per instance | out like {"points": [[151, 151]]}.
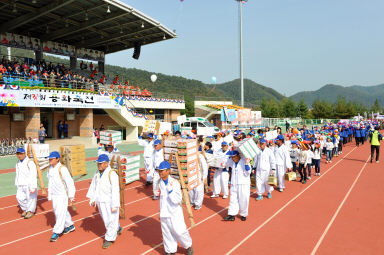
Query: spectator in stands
{"points": [[91, 66], [102, 127], [65, 129]]}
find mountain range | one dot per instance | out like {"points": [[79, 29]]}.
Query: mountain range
{"points": [[253, 91]]}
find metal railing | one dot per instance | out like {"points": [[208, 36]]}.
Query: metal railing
{"points": [[36, 82]]}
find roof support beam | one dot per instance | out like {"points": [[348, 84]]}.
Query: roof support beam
{"points": [[113, 38], [53, 16], [19, 21], [83, 25]]}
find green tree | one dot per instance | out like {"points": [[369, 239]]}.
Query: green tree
{"points": [[189, 108], [288, 108], [302, 109], [376, 107]]}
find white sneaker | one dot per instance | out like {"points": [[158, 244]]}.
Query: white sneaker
{"points": [[318, 174], [214, 195], [197, 207], [225, 197], [155, 198], [309, 177]]}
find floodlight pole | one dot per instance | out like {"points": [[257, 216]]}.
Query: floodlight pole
{"points": [[241, 52]]}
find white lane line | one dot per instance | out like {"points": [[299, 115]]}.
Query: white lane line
{"points": [[288, 203], [44, 198], [98, 238], [338, 210], [26, 237]]}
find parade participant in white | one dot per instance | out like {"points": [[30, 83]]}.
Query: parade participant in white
{"points": [[264, 163], [105, 193], [109, 150], [196, 195], [172, 221], [26, 183], [221, 176], [283, 162], [158, 157], [60, 188], [148, 156], [240, 187]]}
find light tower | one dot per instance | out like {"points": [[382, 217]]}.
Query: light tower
{"points": [[241, 2]]}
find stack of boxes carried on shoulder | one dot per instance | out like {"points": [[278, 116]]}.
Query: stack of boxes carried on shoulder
{"points": [[130, 166], [110, 137], [41, 152], [187, 151], [73, 157]]}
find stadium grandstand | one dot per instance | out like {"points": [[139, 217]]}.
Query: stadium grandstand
{"points": [[35, 91]]}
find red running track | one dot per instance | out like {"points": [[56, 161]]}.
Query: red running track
{"points": [[339, 212]]}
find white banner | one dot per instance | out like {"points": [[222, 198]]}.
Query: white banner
{"points": [[58, 99]]}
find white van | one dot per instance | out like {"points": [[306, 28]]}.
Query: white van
{"points": [[201, 125]]}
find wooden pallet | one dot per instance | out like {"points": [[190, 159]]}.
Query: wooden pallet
{"points": [[32, 155], [121, 184]]}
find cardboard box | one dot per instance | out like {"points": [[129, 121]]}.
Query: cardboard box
{"points": [[171, 143], [186, 143], [111, 133], [169, 150], [73, 157], [247, 148], [272, 180], [290, 176], [219, 162]]}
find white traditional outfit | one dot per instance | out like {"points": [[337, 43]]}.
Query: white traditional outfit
{"points": [[148, 157], [240, 188], [283, 161], [264, 162], [25, 181], [60, 188], [221, 176], [105, 192], [172, 221], [158, 157]]}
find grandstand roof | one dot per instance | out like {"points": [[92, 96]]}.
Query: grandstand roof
{"points": [[82, 23]]}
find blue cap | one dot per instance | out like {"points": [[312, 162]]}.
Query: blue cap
{"points": [[164, 165], [224, 144], [156, 142], [54, 154], [280, 137], [234, 153], [102, 158], [150, 135], [262, 141], [20, 150], [210, 136]]}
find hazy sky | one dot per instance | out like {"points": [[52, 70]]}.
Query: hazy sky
{"points": [[289, 45]]}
